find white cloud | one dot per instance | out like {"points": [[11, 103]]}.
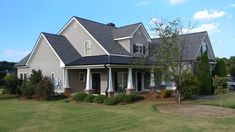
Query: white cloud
{"points": [[14, 55], [211, 27], [154, 20], [142, 3], [204, 14], [176, 2]]}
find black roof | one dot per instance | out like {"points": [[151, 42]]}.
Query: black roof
{"points": [[192, 43], [103, 34], [23, 61], [125, 31], [62, 47], [105, 59]]}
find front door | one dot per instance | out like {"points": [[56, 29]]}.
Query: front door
{"points": [[139, 81], [96, 83]]}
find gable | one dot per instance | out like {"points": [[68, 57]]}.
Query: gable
{"points": [[77, 35], [47, 54], [43, 56]]}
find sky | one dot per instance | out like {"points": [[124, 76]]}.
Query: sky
{"points": [[21, 21]]}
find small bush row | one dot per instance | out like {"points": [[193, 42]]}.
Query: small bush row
{"points": [[119, 99]]}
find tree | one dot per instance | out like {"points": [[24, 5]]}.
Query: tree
{"points": [[203, 74], [171, 54], [220, 87], [220, 68], [232, 70]]}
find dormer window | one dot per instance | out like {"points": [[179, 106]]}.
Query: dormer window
{"points": [[87, 47], [139, 48]]}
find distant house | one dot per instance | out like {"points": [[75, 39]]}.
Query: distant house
{"points": [[96, 58]]}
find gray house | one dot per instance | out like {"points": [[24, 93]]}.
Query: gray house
{"points": [[97, 58]]}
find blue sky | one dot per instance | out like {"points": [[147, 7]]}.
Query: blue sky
{"points": [[23, 20]]}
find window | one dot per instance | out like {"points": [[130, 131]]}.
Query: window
{"points": [[121, 80], [21, 76], [139, 48], [52, 77], [81, 77], [87, 47], [203, 48], [25, 76]]}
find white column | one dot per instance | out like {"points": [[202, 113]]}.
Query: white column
{"points": [[129, 80], [152, 81], [110, 87], [66, 80], [88, 79]]}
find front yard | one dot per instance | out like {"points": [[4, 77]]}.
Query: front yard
{"points": [[27, 115]]}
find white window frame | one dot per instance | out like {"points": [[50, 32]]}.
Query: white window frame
{"points": [[140, 48], [87, 49], [84, 76]]}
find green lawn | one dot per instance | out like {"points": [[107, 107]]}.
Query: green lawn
{"points": [[19, 115]]}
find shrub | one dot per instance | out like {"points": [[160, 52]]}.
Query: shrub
{"points": [[11, 84], [189, 85], [162, 93], [123, 98], [99, 99], [232, 70], [27, 89], [136, 97], [110, 101], [169, 93], [79, 97], [89, 99], [44, 88], [36, 77]]}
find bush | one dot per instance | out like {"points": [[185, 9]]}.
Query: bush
{"points": [[110, 101], [169, 93], [27, 89], [123, 98], [189, 86], [232, 70], [11, 84], [36, 77], [162, 93], [44, 88], [79, 97], [89, 99], [136, 97], [99, 99]]}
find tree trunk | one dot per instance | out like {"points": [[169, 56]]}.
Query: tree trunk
{"points": [[179, 97]]}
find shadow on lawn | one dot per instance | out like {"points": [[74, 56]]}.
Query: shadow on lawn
{"points": [[7, 97]]}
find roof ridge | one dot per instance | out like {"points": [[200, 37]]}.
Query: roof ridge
{"points": [[92, 21], [129, 25], [185, 34]]}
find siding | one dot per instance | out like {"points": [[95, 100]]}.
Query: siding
{"points": [[77, 35], [138, 38], [45, 59], [22, 70]]}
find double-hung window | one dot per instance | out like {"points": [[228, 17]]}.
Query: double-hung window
{"points": [[87, 47], [81, 77], [139, 48]]}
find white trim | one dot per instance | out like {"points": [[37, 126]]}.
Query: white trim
{"points": [[123, 38], [39, 38], [42, 35], [73, 18], [85, 66], [119, 55], [145, 32]]}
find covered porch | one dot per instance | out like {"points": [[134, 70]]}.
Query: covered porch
{"points": [[108, 79]]}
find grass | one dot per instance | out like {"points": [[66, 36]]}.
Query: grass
{"points": [[25, 115]]}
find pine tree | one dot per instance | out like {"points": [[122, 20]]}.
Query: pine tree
{"points": [[203, 74]]}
